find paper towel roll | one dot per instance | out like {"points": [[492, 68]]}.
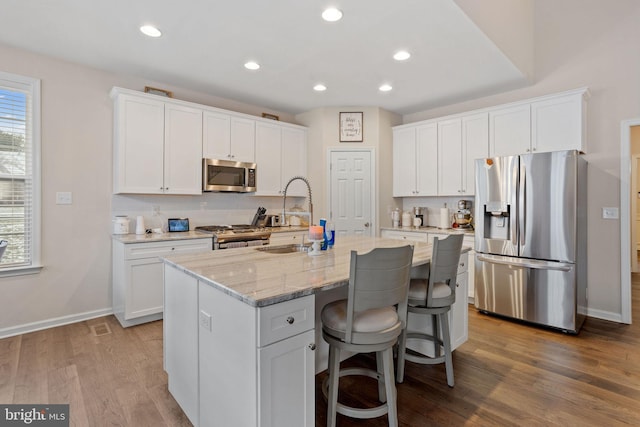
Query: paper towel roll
{"points": [[445, 221]]}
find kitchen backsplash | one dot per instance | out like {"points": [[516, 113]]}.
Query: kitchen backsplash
{"points": [[207, 209], [433, 205]]}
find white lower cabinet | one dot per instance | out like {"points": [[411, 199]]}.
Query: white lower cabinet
{"points": [[231, 364], [412, 236], [138, 274]]}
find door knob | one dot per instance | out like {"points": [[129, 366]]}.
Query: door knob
{"points": [[366, 224]]}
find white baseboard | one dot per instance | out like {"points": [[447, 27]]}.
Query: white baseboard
{"points": [[605, 315], [50, 323]]}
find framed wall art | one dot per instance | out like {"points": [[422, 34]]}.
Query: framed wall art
{"points": [[351, 127]]}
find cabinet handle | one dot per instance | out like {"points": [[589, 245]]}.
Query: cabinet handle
{"points": [[462, 264], [290, 320], [312, 346]]}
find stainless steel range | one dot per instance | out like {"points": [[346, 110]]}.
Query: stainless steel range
{"points": [[235, 236]]}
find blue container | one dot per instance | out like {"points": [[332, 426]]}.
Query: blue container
{"points": [[324, 245], [330, 234]]}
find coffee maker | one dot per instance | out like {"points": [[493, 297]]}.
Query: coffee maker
{"points": [[462, 217]]}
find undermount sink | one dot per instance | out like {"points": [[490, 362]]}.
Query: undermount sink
{"points": [[285, 249]]}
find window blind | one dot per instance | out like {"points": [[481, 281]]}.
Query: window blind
{"points": [[16, 173]]}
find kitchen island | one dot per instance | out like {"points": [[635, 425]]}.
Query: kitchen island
{"points": [[241, 329]]}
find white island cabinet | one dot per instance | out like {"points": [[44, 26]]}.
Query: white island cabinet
{"points": [[242, 337]]}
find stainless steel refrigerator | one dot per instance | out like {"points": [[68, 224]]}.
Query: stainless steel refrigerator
{"points": [[531, 238]]}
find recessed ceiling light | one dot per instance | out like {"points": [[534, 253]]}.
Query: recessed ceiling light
{"points": [[401, 55], [385, 88], [150, 30], [332, 14], [251, 65], [319, 87]]}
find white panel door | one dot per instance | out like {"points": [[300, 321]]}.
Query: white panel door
{"points": [[243, 140], [268, 160], [426, 158], [294, 161], [351, 201], [216, 135], [475, 145], [404, 162], [510, 131]]}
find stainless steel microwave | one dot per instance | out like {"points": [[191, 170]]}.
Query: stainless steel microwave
{"points": [[227, 175]]}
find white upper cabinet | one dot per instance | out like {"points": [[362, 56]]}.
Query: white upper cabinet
{"points": [[510, 130], [226, 137], [475, 145], [436, 157], [415, 161], [450, 157], [560, 123], [551, 123], [157, 146], [460, 142], [281, 154], [182, 150]]}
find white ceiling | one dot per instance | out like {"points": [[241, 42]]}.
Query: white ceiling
{"points": [[206, 42]]}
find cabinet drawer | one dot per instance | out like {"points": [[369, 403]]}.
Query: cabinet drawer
{"points": [[155, 249], [286, 319], [414, 236]]}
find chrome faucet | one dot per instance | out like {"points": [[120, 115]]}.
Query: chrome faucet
{"points": [[284, 201]]}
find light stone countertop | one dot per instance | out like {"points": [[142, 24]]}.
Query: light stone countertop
{"points": [[261, 278], [430, 229], [185, 235]]}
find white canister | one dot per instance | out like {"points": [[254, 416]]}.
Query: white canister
{"points": [[407, 219], [121, 225], [140, 225]]}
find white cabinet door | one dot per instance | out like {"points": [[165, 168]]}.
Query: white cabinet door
{"points": [[182, 150], [226, 137], [294, 160], [243, 139], [426, 158], [216, 138], [281, 154], [145, 288], [558, 123], [404, 162], [459, 320], [475, 145], [139, 145], [180, 336], [510, 130], [287, 382], [450, 157], [268, 160]]}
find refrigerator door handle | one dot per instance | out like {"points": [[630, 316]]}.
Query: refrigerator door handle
{"points": [[525, 263], [522, 207]]}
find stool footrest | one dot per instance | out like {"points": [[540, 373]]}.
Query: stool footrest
{"points": [[350, 411]]}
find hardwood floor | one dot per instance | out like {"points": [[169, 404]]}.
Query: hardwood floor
{"points": [[506, 374]]}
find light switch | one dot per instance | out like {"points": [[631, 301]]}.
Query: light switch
{"points": [[610, 213], [63, 198]]}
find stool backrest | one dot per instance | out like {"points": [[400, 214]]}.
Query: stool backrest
{"points": [[444, 268], [3, 246], [377, 279]]}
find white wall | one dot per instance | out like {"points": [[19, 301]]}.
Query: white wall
{"points": [[76, 156], [590, 43], [324, 133]]}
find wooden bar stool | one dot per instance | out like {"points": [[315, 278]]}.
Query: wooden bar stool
{"points": [[434, 296], [370, 320]]}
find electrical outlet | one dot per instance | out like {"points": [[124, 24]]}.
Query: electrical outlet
{"points": [[205, 320], [610, 213], [63, 198]]}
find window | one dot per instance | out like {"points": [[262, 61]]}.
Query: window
{"points": [[19, 174]]}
